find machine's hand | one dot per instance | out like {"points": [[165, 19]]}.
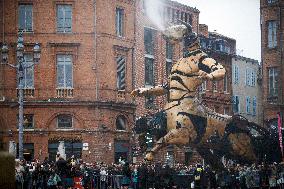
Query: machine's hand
{"points": [[204, 75], [139, 92]]}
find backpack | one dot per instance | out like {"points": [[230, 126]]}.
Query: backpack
{"points": [[56, 179], [51, 181]]}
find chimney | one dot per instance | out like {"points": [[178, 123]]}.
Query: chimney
{"points": [[203, 30]]}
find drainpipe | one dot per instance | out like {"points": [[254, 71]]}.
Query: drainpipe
{"points": [[95, 65], [3, 21], [281, 64], [281, 56]]}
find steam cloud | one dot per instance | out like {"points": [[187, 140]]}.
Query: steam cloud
{"points": [[154, 10]]}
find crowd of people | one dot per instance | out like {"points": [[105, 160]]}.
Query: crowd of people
{"points": [[76, 174]]}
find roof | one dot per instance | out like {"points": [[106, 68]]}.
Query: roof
{"points": [[180, 5], [246, 59], [220, 35]]}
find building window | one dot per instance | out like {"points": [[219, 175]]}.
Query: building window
{"points": [[64, 18], [64, 71], [28, 79], [169, 57], [149, 41], [227, 49], [219, 46], [248, 77], [149, 102], [236, 74], [254, 106], [64, 121], [149, 56], [120, 81], [273, 81], [248, 105], [177, 15], [214, 85], [204, 85], [226, 111], [149, 71], [272, 34], [28, 121], [271, 1], [25, 19], [236, 104], [121, 123], [253, 78], [119, 19], [173, 15], [226, 83]]}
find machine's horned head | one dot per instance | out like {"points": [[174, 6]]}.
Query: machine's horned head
{"points": [[177, 33]]}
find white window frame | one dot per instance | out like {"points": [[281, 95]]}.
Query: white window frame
{"points": [[236, 74], [234, 101], [253, 78], [28, 56], [26, 9], [64, 64], [273, 72], [254, 106], [248, 104], [65, 29], [272, 27], [119, 21]]}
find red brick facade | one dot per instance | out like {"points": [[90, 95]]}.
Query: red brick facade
{"points": [[94, 101], [272, 58]]}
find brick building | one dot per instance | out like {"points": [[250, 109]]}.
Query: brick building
{"points": [[272, 21], [218, 94], [79, 93]]}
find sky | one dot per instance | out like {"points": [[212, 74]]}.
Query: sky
{"points": [[238, 19]]}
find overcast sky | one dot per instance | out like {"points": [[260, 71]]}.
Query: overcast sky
{"points": [[238, 19]]}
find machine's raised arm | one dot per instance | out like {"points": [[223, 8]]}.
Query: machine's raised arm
{"points": [[151, 91]]}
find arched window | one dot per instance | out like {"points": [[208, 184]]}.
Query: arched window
{"points": [[121, 123]]}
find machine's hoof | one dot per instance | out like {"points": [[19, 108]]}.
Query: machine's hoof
{"points": [[149, 156]]}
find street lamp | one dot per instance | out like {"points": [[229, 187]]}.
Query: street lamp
{"points": [[20, 75]]}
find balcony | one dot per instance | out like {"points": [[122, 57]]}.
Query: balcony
{"points": [[65, 92], [28, 92], [272, 99], [121, 94]]}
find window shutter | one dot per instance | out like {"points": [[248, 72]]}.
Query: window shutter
{"points": [[120, 73]]}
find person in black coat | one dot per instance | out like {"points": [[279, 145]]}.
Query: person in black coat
{"points": [[126, 171]]}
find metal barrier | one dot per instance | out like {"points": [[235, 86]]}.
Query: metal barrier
{"points": [[105, 182]]}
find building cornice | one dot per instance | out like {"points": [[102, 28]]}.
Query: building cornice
{"points": [[62, 102]]}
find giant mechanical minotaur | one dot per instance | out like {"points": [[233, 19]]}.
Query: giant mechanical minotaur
{"points": [[187, 120]]}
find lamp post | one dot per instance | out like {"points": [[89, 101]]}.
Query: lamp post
{"points": [[20, 67]]}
